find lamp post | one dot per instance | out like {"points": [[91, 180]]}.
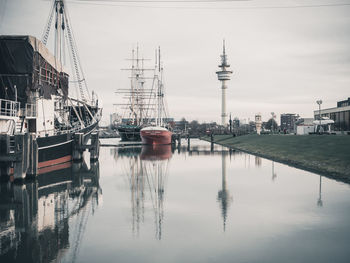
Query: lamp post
{"points": [[319, 102]]}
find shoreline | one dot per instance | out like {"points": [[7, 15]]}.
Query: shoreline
{"points": [[325, 155]]}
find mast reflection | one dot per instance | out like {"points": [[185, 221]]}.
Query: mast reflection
{"points": [[147, 172], [257, 161], [45, 219]]}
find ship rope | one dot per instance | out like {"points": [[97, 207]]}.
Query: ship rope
{"points": [[83, 79], [42, 106], [75, 61], [75, 111], [150, 97], [76, 65], [46, 32], [76, 85]]}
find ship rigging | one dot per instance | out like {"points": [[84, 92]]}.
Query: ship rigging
{"points": [[39, 117]]}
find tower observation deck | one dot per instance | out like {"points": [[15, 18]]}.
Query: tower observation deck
{"points": [[224, 75]]}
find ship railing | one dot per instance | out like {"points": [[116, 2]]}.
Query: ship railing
{"points": [[9, 108], [46, 133], [75, 127], [31, 111]]}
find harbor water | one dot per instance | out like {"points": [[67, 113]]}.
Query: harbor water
{"points": [[193, 203]]}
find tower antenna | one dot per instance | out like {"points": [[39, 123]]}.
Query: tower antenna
{"points": [[223, 75]]}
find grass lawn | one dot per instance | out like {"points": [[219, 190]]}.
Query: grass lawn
{"points": [[326, 154]]}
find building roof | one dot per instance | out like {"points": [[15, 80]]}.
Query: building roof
{"points": [[305, 122], [332, 110]]}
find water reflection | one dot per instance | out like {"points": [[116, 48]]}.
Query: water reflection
{"points": [[257, 161], [224, 197], [274, 174], [35, 217], [319, 201], [187, 207], [146, 170]]}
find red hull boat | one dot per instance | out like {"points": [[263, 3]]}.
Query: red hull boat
{"points": [[155, 135], [156, 152]]}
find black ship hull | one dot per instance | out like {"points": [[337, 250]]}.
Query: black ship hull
{"points": [[58, 149], [129, 133]]}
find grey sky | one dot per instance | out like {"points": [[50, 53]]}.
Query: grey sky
{"points": [[283, 59]]}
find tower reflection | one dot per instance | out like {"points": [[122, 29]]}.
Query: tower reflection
{"points": [[224, 197], [319, 200], [45, 219], [274, 174], [147, 171]]}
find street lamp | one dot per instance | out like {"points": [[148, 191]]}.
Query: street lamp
{"points": [[319, 102]]}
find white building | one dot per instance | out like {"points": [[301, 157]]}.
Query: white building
{"points": [[304, 126]]}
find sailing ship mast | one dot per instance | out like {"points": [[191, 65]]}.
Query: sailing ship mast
{"points": [[159, 97], [157, 134], [158, 91], [59, 13], [136, 95]]}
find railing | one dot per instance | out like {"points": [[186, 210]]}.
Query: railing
{"points": [[30, 111], [9, 108], [76, 126], [46, 133]]}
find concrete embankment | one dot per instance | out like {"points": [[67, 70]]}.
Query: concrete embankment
{"points": [[324, 154]]}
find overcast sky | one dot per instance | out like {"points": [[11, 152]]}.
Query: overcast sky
{"points": [[283, 59]]}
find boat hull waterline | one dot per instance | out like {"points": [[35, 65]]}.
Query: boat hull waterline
{"points": [[156, 136], [54, 150], [129, 133]]}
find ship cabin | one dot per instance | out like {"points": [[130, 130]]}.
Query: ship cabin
{"points": [[34, 91]]}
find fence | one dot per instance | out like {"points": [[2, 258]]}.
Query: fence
{"points": [[9, 108]]}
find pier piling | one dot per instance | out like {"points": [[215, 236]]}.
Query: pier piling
{"points": [[32, 156], [95, 147], [21, 149], [77, 147], [176, 138]]}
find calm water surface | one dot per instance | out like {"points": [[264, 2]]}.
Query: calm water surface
{"points": [[188, 205]]}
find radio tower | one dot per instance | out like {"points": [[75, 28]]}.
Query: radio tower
{"points": [[223, 76]]}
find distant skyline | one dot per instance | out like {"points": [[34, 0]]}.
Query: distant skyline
{"points": [[285, 55]]}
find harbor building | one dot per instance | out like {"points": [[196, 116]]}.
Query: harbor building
{"points": [[304, 126], [223, 76], [288, 121], [340, 115]]}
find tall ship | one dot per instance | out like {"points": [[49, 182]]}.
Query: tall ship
{"points": [[135, 98], [158, 132], [36, 97]]}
